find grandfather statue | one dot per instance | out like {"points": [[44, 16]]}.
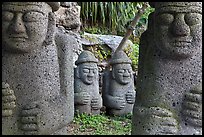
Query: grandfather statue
{"points": [[37, 78], [169, 83], [86, 85], [118, 86]]}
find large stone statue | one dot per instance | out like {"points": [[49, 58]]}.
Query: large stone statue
{"points": [[118, 86], [169, 83], [37, 78], [86, 84]]}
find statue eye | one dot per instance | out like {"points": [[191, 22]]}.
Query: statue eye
{"points": [[95, 70], [85, 70], [165, 19], [33, 16], [121, 71], [193, 18], [7, 16]]}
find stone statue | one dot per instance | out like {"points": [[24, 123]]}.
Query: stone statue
{"points": [[86, 85], [169, 83], [37, 78], [118, 89]]}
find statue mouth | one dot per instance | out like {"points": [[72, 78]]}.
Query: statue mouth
{"points": [[18, 37], [182, 42], [126, 79], [90, 79]]}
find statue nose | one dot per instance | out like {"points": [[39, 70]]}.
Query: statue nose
{"points": [[126, 73], [91, 73], [180, 28], [18, 26]]}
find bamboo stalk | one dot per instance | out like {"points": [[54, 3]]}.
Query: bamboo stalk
{"points": [[131, 27]]}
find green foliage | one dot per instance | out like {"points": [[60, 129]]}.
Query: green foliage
{"points": [[111, 16], [142, 24], [102, 124], [102, 54], [96, 30], [134, 55]]}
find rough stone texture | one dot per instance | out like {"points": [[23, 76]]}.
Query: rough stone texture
{"points": [[86, 85], [37, 71], [67, 4], [68, 16], [169, 83], [118, 86], [112, 41], [77, 47]]}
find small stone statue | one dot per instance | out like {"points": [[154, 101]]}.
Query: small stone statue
{"points": [[86, 85], [37, 78], [169, 82], [118, 89]]}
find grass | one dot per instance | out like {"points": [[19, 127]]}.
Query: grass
{"points": [[84, 124]]}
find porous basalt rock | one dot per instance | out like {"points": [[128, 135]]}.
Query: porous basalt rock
{"points": [[169, 82]]}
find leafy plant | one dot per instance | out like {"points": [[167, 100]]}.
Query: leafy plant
{"points": [[102, 124], [133, 55], [112, 16]]}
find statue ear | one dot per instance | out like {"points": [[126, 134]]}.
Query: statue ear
{"points": [[50, 29], [151, 24], [77, 72], [113, 73]]}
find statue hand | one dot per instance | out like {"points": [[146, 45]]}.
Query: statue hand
{"points": [[156, 121], [30, 119], [96, 103], [130, 97], [164, 121], [85, 98], [192, 106], [120, 101], [8, 100]]}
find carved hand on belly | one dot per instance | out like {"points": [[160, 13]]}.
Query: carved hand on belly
{"points": [[156, 121], [96, 103], [192, 106], [30, 119], [121, 102], [8, 100], [130, 97]]}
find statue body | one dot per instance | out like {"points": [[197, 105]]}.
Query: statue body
{"points": [[35, 65], [169, 83], [92, 93], [86, 85], [118, 90]]}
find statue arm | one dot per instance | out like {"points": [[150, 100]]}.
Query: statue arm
{"points": [[65, 58]]}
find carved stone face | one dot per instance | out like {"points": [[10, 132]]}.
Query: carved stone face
{"points": [[88, 72], [122, 73], [24, 25], [178, 31]]}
